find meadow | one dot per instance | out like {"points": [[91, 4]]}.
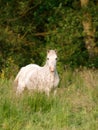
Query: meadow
{"points": [[75, 106]]}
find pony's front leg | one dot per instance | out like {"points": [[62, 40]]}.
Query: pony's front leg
{"points": [[47, 92]]}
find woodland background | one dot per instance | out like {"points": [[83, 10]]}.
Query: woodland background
{"points": [[29, 27]]}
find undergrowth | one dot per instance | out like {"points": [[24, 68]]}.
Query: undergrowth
{"points": [[75, 106]]}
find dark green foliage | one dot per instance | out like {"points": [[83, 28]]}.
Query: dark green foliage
{"points": [[29, 28]]}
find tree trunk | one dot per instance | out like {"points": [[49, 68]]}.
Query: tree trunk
{"points": [[89, 31]]}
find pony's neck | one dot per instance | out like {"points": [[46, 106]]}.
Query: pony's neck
{"points": [[46, 65]]}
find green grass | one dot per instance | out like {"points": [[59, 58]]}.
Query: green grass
{"points": [[75, 106]]}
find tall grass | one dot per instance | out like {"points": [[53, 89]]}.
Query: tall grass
{"points": [[75, 107]]}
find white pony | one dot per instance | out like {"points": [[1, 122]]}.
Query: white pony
{"points": [[34, 77]]}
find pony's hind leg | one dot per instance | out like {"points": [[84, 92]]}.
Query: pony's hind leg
{"points": [[20, 89]]}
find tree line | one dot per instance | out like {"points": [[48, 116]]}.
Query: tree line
{"points": [[29, 28]]}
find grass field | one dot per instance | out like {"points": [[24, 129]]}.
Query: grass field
{"points": [[75, 106]]}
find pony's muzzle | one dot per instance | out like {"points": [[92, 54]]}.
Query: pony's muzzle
{"points": [[52, 69]]}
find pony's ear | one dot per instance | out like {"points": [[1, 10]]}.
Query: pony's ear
{"points": [[48, 51], [55, 51]]}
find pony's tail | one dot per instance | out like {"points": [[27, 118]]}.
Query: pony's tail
{"points": [[15, 83]]}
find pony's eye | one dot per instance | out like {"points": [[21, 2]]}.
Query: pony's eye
{"points": [[47, 58]]}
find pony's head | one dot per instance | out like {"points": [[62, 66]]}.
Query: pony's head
{"points": [[51, 59]]}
